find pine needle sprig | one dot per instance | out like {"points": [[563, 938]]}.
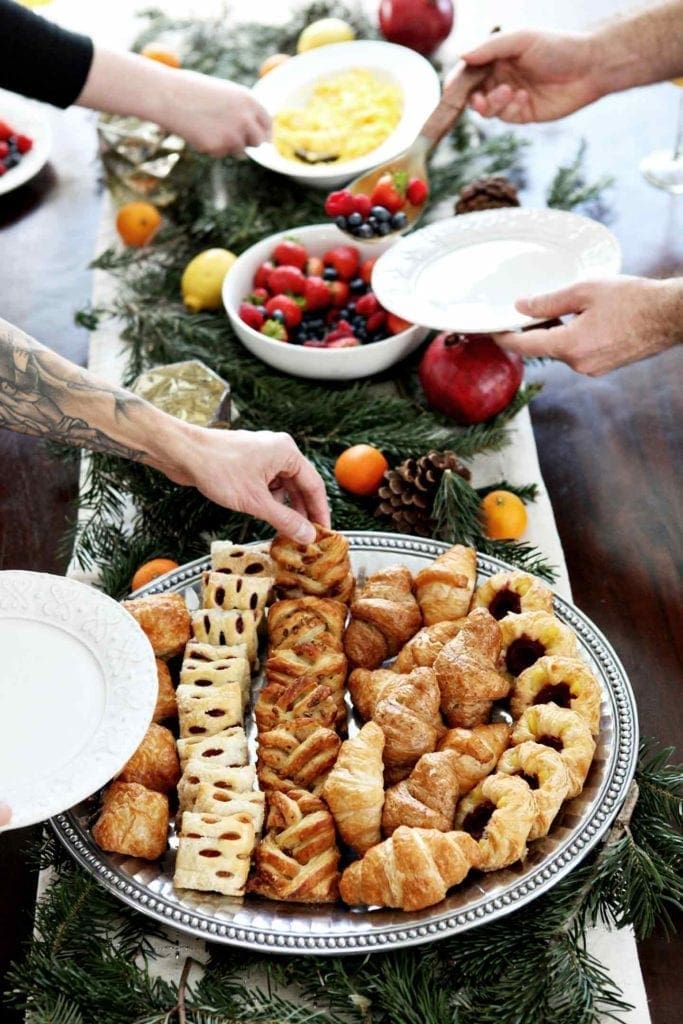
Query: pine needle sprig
{"points": [[569, 189]]}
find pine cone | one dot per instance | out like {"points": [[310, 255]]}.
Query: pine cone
{"points": [[486, 194], [408, 492]]}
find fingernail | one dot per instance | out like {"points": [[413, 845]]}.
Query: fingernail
{"points": [[305, 534]]}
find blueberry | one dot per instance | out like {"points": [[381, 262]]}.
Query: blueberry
{"points": [[340, 221], [355, 219], [399, 220], [278, 315], [384, 228], [11, 160], [330, 274], [357, 286], [365, 231], [380, 213], [372, 221]]}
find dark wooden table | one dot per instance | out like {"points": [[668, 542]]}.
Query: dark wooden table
{"points": [[610, 448]]}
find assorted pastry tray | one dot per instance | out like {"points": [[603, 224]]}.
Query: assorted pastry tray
{"points": [[408, 825]]}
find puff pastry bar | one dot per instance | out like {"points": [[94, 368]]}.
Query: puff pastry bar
{"points": [[213, 799], [354, 789], [164, 619], [214, 853], [413, 869], [201, 715], [384, 615], [566, 732], [478, 751], [304, 619], [509, 593], [296, 756], [165, 706], [224, 749], [466, 669], [422, 650], [498, 813], [242, 592], [321, 569], [206, 665], [304, 698], [567, 682], [298, 858], [543, 770], [228, 558], [444, 589], [133, 821], [155, 763], [427, 798], [215, 626], [530, 636], [230, 780]]}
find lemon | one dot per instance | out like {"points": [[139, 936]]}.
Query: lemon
{"points": [[324, 32], [202, 279]]}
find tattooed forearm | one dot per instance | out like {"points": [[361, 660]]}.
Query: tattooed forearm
{"points": [[46, 396]]}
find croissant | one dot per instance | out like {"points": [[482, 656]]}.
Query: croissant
{"points": [[303, 619], [566, 732], [478, 751], [466, 671], [543, 770], [444, 588], [509, 593], [383, 616], [297, 755], [321, 569], [498, 813], [427, 798], [422, 650], [413, 869], [567, 682], [354, 789], [531, 635]]}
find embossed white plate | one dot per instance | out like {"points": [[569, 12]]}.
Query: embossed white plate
{"points": [[78, 685], [333, 929], [28, 118], [464, 274]]}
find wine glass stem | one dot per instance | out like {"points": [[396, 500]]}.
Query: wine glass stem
{"points": [[678, 144]]}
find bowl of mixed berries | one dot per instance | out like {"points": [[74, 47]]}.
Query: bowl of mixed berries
{"points": [[302, 301]]}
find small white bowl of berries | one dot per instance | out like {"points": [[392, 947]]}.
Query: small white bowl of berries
{"points": [[302, 301]]}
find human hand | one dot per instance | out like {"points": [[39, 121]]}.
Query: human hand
{"points": [[618, 321], [536, 76], [214, 116], [5, 814]]}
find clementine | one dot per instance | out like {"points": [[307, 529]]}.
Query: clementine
{"points": [[150, 570], [137, 223], [272, 62], [360, 469], [504, 515], [161, 53]]}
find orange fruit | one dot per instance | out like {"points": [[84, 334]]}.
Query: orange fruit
{"points": [[137, 223], [504, 515], [164, 54], [150, 570], [272, 62], [360, 469]]}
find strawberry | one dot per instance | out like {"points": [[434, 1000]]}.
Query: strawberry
{"points": [[342, 330], [287, 279], [258, 296], [339, 292], [317, 293], [314, 266], [366, 269], [24, 143], [252, 315], [417, 191], [345, 259], [4, 150], [347, 342], [275, 330], [396, 324], [290, 253], [262, 274], [5, 131], [376, 320], [314, 343], [367, 304], [290, 309], [390, 191], [339, 204], [362, 205]]}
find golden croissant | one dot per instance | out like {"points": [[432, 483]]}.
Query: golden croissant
{"points": [[544, 771], [427, 798], [384, 614], [444, 588], [422, 650], [467, 674], [478, 751], [354, 789]]}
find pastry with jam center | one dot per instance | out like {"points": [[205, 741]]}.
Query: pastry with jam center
{"points": [[509, 593]]}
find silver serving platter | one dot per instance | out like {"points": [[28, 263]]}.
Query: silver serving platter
{"points": [[289, 927]]}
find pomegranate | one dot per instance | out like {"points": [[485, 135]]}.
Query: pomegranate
{"points": [[469, 377]]}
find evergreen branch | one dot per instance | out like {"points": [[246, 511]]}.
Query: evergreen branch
{"points": [[569, 189], [527, 492]]}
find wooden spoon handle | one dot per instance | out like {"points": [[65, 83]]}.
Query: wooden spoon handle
{"points": [[461, 82]]}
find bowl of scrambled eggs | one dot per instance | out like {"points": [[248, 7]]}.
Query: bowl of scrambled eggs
{"points": [[339, 110]]}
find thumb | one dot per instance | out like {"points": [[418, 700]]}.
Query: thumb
{"points": [[500, 46], [546, 307], [286, 520], [5, 814]]}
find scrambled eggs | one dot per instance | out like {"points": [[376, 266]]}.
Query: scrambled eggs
{"points": [[346, 116]]}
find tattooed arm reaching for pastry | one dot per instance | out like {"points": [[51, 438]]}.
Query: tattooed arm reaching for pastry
{"points": [[250, 471]]}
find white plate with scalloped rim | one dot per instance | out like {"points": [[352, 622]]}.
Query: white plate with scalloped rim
{"points": [[28, 118], [464, 273], [78, 685]]}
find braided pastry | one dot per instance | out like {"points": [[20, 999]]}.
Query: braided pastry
{"points": [[413, 869], [320, 661], [298, 755], [509, 593], [566, 732], [422, 650], [304, 698], [384, 614], [478, 751], [304, 619], [531, 635], [567, 682], [444, 588], [297, 860], [498, 813], [466, 671], [543, 770], [321, 569], [427, 798], [354, 789]]}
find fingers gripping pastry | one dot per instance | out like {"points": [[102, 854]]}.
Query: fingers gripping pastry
{"points": [[411, 870], [530, 636], [165, 706], [544, 772], [567, 682], [133, 821], [498, 813], [444, 588], [421, 651], [296, 756], [165, 620], [566, 732], [155, 763], [242, 592], [321, 569], [477, 750], [215, 626], [224, 749], [304, 619], [354, 789], [384, 614], [214, 852], [304, 698], [467, 673], [228, 558], [298, 858], [427, 798], [509, 593]]}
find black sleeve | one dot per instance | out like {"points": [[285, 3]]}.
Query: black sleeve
{"points": [[39, 59]]}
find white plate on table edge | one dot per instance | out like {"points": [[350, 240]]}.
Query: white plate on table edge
{"points": [[463, 274], [78, 685], [333, 929], [29, 118]]}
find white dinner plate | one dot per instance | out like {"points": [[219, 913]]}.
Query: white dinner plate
{"points": [[28, 118], [464, 274], [78, 685]]}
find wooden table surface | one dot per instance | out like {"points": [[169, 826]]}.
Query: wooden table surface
{"points": [[610, 448]]}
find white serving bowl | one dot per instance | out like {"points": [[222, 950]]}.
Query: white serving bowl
{"points": [[315, 363], [291, 84]]}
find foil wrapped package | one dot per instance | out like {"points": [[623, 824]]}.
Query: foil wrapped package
{"points": [[141, 160], [190, 391]]}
